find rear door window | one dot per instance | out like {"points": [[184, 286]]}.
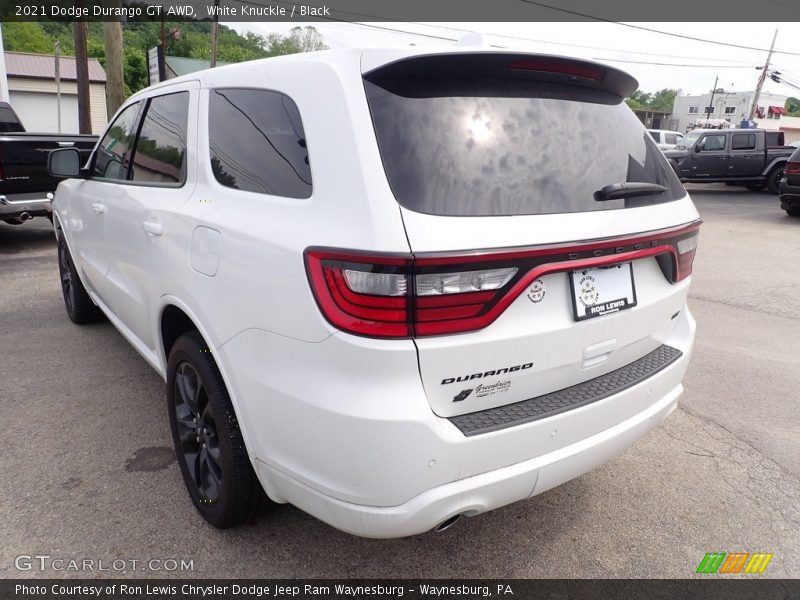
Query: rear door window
{"points": [[160, 155], [743, 141], [258, 143], [463, 146]]}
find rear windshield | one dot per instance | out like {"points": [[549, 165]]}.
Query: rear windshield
{"points": [[9, 122], [488, 146]]}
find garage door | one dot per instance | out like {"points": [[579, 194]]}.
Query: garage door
{"points": [[39, 113]]}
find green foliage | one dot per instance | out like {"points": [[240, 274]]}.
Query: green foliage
{"points": [[660, 101], [192, 41], [792, 106]]}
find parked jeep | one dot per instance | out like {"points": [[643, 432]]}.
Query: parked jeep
{"points": [[754, 157]]}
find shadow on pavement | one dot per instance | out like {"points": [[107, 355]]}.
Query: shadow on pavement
{"points": [[33, 236]]}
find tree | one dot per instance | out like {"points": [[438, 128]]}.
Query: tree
{"points": [[792, 105], [660, 101], [138, 37]]}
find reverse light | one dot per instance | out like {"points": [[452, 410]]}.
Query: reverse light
{"points": [[688, 244], [466, 281], [378, 284]]}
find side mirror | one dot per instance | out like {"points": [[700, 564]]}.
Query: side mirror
{"points": [[698, 148], [64, 162]]}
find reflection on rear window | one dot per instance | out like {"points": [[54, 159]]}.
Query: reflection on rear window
{"points": [[505, 147]]}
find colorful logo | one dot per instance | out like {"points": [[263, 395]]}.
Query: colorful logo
{"points": [[734, 562]]}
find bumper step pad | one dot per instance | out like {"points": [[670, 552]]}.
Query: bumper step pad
{"points": [[569, 398]]}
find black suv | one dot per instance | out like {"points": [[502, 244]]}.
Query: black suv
{"points": [[789, 189]]}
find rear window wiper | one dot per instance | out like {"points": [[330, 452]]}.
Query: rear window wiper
{"points": [[628, 189]]}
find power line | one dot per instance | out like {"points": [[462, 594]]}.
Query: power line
{"points": [[524, 39], [639, 62], [650, 30]]}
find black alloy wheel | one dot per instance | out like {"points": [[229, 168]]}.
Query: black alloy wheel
{"points": [[208, 442]]}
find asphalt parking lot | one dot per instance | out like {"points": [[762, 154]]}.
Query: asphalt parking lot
{"points": [[87, 469]]}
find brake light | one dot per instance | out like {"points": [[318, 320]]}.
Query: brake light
{"points": [[400, 296], [792, 168], [560, 67]]}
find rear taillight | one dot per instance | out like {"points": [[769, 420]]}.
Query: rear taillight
{"points": [[397, 296], [792, 168], [686, 247]]}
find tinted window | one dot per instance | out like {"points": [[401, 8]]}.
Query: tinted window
{"points": [[743, 141], [113, 153], [160, 155], [713, 142], [257, 142], [9, 122], [655, 135], [464, 147]]}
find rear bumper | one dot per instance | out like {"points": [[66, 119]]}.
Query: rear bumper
{"points": [[472, 495], [343, 430], [36, 205], [789, 195]]}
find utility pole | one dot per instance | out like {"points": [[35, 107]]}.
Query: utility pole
{"points": [[762, 78], [58, 81], [82, 76], [214, 34], [713, 93], [112, 42], [3, 78]]}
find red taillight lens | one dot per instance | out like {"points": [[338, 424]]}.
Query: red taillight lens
{"points": [[378, 306], [792, 168], [686, 248], [406, 296]]}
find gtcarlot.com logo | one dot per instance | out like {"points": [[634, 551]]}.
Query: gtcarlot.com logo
{"points": [[734, 562], [46, 562]]}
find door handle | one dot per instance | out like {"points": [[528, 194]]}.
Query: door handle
{"points": [[153, 228], [99, 208]]}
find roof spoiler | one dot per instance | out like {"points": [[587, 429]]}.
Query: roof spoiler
{"points": [[507, 65]]}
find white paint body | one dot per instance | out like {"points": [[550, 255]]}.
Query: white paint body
{"points": [[353, 430]]}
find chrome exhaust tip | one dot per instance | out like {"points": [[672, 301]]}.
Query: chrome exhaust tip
{"points": [[447, 523], [25, 217]]}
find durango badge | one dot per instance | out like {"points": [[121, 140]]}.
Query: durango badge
{"points": [[448, 380]]}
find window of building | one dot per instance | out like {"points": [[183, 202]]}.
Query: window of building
{"points": [[258, 143], [160, 155], [730, 110], [694, 110]]}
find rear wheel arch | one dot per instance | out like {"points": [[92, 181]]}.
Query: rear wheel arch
{"points": [[174, 323]]}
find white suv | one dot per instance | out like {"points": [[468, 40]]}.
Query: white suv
{"points": [[392, 286]]}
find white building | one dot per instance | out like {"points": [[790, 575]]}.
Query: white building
{"points": [[32, 92], [734, 107]]}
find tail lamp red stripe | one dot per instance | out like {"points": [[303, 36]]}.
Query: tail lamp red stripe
{"points": [[411, 315]]}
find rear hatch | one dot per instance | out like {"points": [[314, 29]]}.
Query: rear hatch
{"points": [[551, 240]]}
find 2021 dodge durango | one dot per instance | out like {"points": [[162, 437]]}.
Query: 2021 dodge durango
{"points": [[389, 287]]}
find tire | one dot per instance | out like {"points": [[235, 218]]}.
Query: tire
{"points": [[793, 212], [208, 442], [80, 308], [755, 186], [774, 179]]}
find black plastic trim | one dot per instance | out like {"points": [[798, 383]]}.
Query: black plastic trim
{"points": [[560, 401]]}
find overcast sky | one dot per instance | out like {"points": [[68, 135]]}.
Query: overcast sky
{"points": [[604, 41]]}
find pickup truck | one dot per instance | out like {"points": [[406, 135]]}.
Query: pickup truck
{"points": [[26, 188], [748, 156]]}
